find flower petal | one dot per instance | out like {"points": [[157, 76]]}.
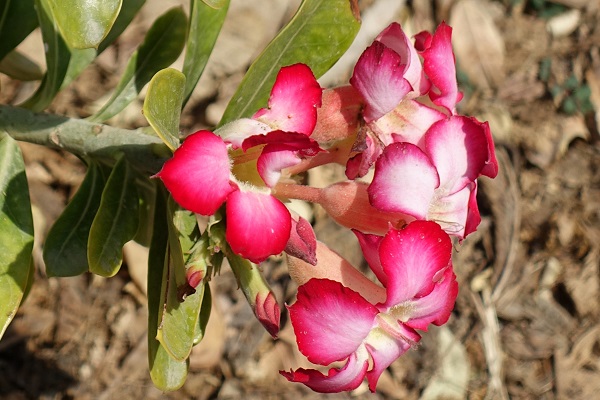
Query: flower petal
{"points": [[379, 77], [404, 181], [337, 380], [235, 132], [258, 225], [408, 122], [436, 307], [198, 174], [473, 216], [458, 147], [452, 212], [491, 165], [369, 244], [384, 350], [394, 37], [439, 65], [330, 320], [272, 160], [294, 99], [411, 257]]}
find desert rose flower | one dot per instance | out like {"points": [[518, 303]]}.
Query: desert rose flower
{"points": [[437, 180], [241, 161], [335, 323]]}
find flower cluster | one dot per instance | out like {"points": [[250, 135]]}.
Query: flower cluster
{"points": [[412, 164]]}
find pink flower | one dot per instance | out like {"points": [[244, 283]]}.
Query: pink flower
{"points": [[387, 72], [336, 323], [240, 166], [390, 77], [436, 180], [439, 65]]}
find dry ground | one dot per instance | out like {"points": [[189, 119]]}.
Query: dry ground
{"points": [[526, 323]]}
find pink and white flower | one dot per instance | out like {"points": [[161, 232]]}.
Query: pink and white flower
{"points": [[414, 264], [241, 162], [391, 80], [436, 180]]}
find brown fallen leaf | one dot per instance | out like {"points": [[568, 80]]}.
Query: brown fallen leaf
{"points": [[478, 44]]}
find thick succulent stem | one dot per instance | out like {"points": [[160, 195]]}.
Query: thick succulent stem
{"points": [[85, 139]]}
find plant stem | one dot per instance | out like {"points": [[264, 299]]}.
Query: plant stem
{"points": [[85, 139]]}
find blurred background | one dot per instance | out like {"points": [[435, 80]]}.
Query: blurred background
{"points": [[526, 323]]}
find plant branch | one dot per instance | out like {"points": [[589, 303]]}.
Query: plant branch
{"points": [[85, 139]]}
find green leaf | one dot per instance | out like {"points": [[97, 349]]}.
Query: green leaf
{"points": [[18, 66], [17, 20], [147, 192], [204, 314], [318, 34], [216, 3], [16, 230], [84, 24], [166, 373], [179, 319], [129, 9], [66, 247], [162, 106], [161, 47], [206, 21], [58, 57], [65, 64], [115, 222]]}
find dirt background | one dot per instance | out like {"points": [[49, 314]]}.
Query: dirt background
{"points": [[526, 323]]}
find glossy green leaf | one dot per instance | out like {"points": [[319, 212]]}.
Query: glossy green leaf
{"points": [[206, 21], [147, 192], [166, 373], [115, 222], [161, 47], [318, 34], [66, 246], [179, 319], [205, 310], [18, 66], [58, 57], [216, 3], [129, 9], [65, 64], [162, 106], [17, 20], [84, 23], [16, 230]]}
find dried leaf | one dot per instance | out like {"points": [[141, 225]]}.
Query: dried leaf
{"points": [[478, 44]]}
